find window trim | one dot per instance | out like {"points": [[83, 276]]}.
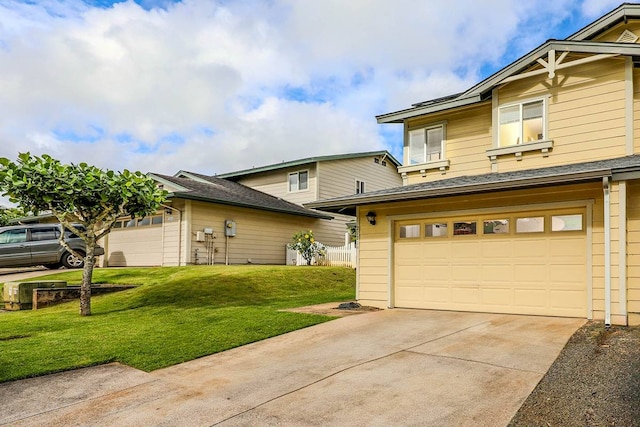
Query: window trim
{"points": [[443, 145], [297, 173], [360, 186]]}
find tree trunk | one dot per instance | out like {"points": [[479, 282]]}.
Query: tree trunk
{"points": [[87, 274]]}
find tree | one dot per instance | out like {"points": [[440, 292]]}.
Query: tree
{"points": [[79, 194], [7, 214], [306, 245]]}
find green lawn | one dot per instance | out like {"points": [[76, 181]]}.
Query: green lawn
{"points": [[176, 314]]}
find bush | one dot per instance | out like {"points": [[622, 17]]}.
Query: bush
{"points": [[304, 243]]}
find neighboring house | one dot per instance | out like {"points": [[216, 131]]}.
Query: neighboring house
{"points": [[522, 194], [209, 222], [315, 178]]}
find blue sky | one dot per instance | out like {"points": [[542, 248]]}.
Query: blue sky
{"points": [[215, 86]]}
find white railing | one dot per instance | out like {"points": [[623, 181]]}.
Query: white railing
{"points": [[335, 256]]}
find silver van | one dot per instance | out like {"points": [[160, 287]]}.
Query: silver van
{"points": [[37, 244]]}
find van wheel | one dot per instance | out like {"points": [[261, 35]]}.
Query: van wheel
{"points": [[71, 261]]}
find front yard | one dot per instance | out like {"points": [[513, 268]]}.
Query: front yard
{"points": [[176, 314]]}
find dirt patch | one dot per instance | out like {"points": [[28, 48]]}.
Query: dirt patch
{"points": [[595, 381], [331, 309]]}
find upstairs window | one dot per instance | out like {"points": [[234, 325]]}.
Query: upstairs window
{"points": [[522, 123], [426, 145], [359, 186], [299, 181]]}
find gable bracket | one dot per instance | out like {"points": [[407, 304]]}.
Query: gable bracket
{"points": [[551, 65]]}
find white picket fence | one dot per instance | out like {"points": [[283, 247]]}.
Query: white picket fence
{"points": [[336, 256]]}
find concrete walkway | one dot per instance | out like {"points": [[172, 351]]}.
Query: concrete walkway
{"points": [[386, 368]]}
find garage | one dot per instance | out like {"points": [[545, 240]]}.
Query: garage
{"points": [[135, 242], [527, 262]]}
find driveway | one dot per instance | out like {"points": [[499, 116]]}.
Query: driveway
{"points": [[392, 367]]}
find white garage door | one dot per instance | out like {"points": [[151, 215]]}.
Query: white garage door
{"points": [[524, 263], [136, 243]]}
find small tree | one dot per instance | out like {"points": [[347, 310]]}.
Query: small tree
{"points": [[79, 194], [304, 243]]}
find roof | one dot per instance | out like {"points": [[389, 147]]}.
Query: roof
{"points": [[222, 191], [577, 43], [305, 161], [554, 175]]}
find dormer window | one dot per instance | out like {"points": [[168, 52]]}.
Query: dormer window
{"points": [[426, 144], [521, 123]]}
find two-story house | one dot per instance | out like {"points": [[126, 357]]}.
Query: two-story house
{"points": [[522, 194], [247, 216]]}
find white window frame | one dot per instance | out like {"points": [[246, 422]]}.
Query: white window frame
{"points": [[521, 137], [424, 130], [360, 186], [297, 189]]}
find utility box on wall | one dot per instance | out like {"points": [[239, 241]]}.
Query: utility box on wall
{"points": [[229, 228]]}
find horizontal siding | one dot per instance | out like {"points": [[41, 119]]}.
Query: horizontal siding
{"points": [[261, 236], [338, 177], [332, 233], [276, 183], [633, 249], [135, 247], [612, 34]]}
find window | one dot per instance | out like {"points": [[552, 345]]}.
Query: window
{"points": [[530, 225], [426, 145], [14, 236], [359, 187], [51, 233], [435, 230], [566, 222], [461, 228], [521, 123], [496, 226], [409, 231], [299, 181]]}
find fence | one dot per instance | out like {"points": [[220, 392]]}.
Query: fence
{"points": [[338, 256]]}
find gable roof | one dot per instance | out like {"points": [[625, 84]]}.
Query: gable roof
{"points": [[577, 43], [222, 191], [554, 175], [305, 161]]}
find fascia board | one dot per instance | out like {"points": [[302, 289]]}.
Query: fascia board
{"points": [[400, 116], [607, 21], [167, 182], [463, 189]]}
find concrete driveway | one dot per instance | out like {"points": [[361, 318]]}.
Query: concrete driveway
{"points": [[394, 367]]}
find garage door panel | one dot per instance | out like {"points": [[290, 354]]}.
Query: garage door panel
{"points": [[529, 273], [135, 247]]}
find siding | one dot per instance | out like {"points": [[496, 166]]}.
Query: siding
{"points": [[171, 234], [633, 252], [338, 177], [586, 121], [261, 236], [374, 241], [612, 34], [276, 183]]}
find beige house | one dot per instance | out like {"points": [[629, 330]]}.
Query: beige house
{"points": [[212, 222], [308, 180], [247, 216], [521, 194]]}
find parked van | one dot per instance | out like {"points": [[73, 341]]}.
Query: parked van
{"points": [[38, 244]]}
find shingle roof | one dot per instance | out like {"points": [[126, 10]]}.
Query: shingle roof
{"points": [[222, 191], [554, 175]]}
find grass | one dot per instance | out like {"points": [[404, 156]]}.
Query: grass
{"points": [[175, 315]]}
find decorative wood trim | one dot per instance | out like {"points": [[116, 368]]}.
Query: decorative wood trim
{"points": [[517, 150], [442, 165]]}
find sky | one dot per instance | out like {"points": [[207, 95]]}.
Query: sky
{"points": [[214, 86]]}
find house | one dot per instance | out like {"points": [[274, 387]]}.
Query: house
{"points": [[311, 179], [209, 221], [522, 194]]}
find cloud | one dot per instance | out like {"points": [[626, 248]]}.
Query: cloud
{"points": [[214, 86]]}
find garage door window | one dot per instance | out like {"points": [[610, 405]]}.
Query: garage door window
{"points": [[435, 230], [530, 225], [496, 226], [462, 228], [410, 231], [566, 222]]}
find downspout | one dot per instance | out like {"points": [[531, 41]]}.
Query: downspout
{"points": [[607, 251]]}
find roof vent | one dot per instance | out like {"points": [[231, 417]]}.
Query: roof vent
{"points": [[627, 37]]}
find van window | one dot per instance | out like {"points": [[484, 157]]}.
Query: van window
{"points": [[50, 233], [13, 236]]}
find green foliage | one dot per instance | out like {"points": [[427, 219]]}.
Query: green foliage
{"points": [[79, 194], [175, 315], [7, 214], [305, 244]]}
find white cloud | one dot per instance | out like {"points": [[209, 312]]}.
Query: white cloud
{"points": [[214, 86]]}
